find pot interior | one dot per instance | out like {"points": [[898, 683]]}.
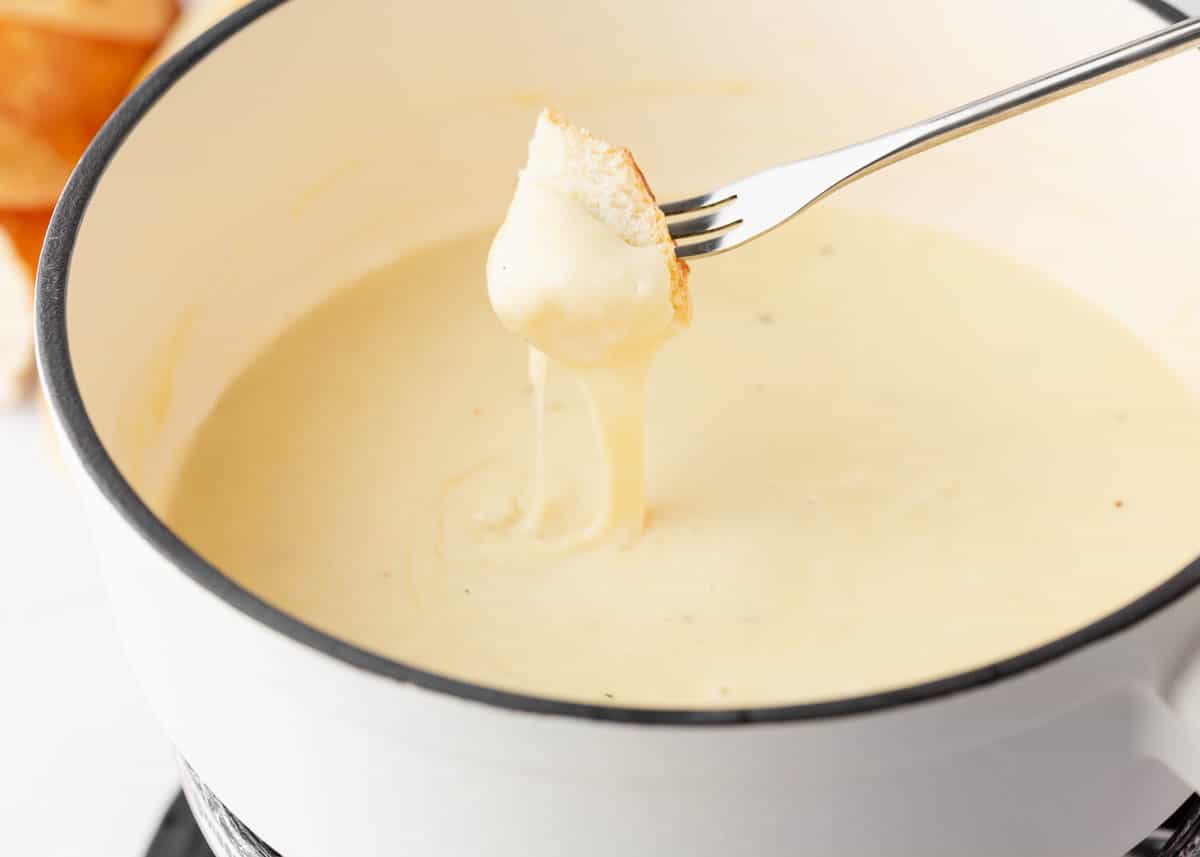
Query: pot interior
{"points": [[325, 140]]}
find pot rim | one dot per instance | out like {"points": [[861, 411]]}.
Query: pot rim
{"points": [[66, 402]]}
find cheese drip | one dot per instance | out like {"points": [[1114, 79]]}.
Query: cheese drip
{"points": [[599, 307]]}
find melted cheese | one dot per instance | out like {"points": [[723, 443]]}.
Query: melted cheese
{"points": [[584, 298], [879, 455]]}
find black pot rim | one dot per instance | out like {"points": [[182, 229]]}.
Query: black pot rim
{"points": [[63, 394]]}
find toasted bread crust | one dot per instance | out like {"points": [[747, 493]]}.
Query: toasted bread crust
{"points": [[64, 66], [680, 297], [59, 86], [115, 20], [26, 230], [32, 173]]}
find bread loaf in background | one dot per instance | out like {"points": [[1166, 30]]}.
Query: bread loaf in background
{"points": [[64, 66]]}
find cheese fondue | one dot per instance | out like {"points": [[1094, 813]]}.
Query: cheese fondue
{"points": [[879, 455]]}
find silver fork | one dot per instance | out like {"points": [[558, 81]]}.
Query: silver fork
{"points": [[747, 208]]}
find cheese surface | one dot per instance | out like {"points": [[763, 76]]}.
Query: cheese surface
{"points": [[880, 455]]}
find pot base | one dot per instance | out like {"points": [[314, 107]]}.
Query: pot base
{"points": [[197, 824]]}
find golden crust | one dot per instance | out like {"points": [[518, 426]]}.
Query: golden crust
{"points": [[59, 87], [64, 66], [32, 173], [26, 230], [680, 297], [119, 20]]}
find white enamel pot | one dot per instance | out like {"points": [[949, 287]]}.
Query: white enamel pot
{"points": [[300, 143]]}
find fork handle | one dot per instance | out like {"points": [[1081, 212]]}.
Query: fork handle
{"points": [[898, 145]]}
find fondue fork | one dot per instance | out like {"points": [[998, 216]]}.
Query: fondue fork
{"points": [[752, 206]]}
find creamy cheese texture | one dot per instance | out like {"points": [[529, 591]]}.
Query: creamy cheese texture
{"points": [[570, 286], [585, 299], [879, 455]]}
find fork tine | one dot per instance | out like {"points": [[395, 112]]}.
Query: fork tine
{"points": [[698, 203], [705, 223], [710, 246]]}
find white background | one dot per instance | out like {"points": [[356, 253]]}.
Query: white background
{"points": [[84, 769]]}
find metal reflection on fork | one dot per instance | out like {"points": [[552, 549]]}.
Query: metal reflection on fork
{"points": [[731, 215]]}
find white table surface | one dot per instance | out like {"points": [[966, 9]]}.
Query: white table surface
{"points": [[84, 769]]}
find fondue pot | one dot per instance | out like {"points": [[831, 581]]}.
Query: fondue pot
{"points": [[302, 143]]}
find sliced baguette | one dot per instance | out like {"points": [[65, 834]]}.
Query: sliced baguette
{"points": [[607, 180], [26, 230], [32, 173], [113, 20], [61, 83], [64, 66]]}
